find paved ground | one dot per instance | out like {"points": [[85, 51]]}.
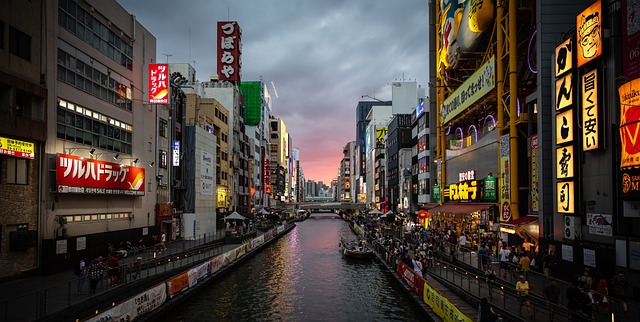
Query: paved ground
{"points": [[26, 299]]}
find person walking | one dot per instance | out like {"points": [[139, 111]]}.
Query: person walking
{"points": [[551, 293], [136, 268], [619, 286], [81, 276], [504, 261], [522, 289]]}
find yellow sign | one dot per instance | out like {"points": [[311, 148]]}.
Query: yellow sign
{"points": [[564, 162], [442, 306], [481, 82], [564, 127], [589, 89], [222, 197], [564, 197], [17, 148], [589, 33], [564, 91], [630, 123], [564, 57], [505, 179], [465, 191]]}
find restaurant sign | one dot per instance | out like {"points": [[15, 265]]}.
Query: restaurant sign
{"points": [[630, 123], [90, 176], [16, 148]]}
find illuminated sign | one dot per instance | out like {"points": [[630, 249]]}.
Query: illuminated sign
{"points": [[564, 127], [381, 135], [481, 82], [221, 200], [176, 153], [564, 91], [564, 162], [435, 193], [565, 197], [420, 108], [229, 51], [534, 172], [88, 176], [490, 189], [467, 175], [630, 182], [589, 33], [17, 148], [630, 123], [464, 191], [158, 84], [564, 57], [589, 89], [505, 183]]}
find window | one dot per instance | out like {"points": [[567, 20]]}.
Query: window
{"points": [[163, 158], [163, 128], [17, 171], [19, 44]]}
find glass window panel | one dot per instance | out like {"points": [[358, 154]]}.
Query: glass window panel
{"points": [[94, 217], [69, 119], [103, 217], [79, 136], [88, 138], [109, 216], [71, 77], [61, 73], [79, 121], [70, 133], [86, 217], [60, 131], [77, 218], [71, 25]]}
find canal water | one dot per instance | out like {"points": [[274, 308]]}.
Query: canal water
{"points": [[302, 277]]}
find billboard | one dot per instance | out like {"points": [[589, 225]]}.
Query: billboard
{"points": [[589, 33], [630, 123], [89, 176], [158, 84], [17, 148], [630, 39], [252, 94], [229, 51]]}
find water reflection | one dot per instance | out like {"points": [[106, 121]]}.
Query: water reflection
{"points": [[302, 277]]}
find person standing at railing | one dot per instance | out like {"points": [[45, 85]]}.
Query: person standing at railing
{"points": [[82, 273], [551, 293], [522, 289]]}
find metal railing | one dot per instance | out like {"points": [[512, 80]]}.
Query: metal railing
{"points": [[39, 303]]}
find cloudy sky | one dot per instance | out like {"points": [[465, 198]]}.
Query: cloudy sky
{"points": [[321, 55]]}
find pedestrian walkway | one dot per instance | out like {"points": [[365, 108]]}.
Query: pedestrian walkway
{"points": [[470, 278], [33, 297]]}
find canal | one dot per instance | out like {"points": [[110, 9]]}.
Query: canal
{"points": [[302, 277]]}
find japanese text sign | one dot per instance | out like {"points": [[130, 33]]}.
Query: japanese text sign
{"points": [[630, 123], [89, 176], [158, 84], [589, 87], [16, 148], [229, 51]]}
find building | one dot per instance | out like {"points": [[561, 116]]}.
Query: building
{"points": [[102, 189], [345, 174], [279, 159], [398, 162], [23, 134]]}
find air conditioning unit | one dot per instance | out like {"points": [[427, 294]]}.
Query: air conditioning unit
{"points": [[61, 233], [569, 227]]}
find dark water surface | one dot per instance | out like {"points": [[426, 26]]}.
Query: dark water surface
{"points": [[302, 277]]}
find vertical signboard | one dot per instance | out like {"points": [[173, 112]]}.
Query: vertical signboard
{"points": [[589, 89], [533, 145], [176, 153], [158, 84], [630, 38], [206, 173], [589, 33], [229, 51], [630, 123], [505, 179]]}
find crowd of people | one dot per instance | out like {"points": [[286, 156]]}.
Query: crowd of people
{"points": [[416, 247]]}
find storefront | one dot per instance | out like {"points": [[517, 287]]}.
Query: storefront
{"points": [[517, 231], [462, 217]]}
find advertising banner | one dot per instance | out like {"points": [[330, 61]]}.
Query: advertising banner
{"points": [[177, 284], [630, 38], [411, 278], [89, 176], [217, 263], [533, 144], [134, 307], [229, 51], [206, 173], [630, 123], [17, 148], [442, 307], [481, 82], [589, 33], [600, 224], [198, 274], [505, 179], [158, 84]]}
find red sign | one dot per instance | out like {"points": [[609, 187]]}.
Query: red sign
{"points": [[229, 51], [412, 278], [89, 176], [158, 84], [506, 211]]}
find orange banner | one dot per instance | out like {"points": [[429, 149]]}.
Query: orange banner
{"points": [[178, 284]]}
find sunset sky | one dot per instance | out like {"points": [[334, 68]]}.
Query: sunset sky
{"points": [[321, 55]]}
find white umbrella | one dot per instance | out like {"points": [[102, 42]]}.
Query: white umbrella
{"points": [[389, 213], [375, 212], [235, 216], [263, 212]]}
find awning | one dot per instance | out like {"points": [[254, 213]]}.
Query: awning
{"points": [[428, 206], [458, 208], [519, 221], [167, 221]]}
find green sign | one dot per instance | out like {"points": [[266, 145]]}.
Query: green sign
{"points": [[435, 194], [490, 189], [481, 82]]}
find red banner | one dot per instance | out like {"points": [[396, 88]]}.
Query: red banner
{"points": [[411, 278], [229, 51], [89, 176], [158, 84]]}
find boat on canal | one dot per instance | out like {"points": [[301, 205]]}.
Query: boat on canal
{"points": [[302, 215], [355, 249]]}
